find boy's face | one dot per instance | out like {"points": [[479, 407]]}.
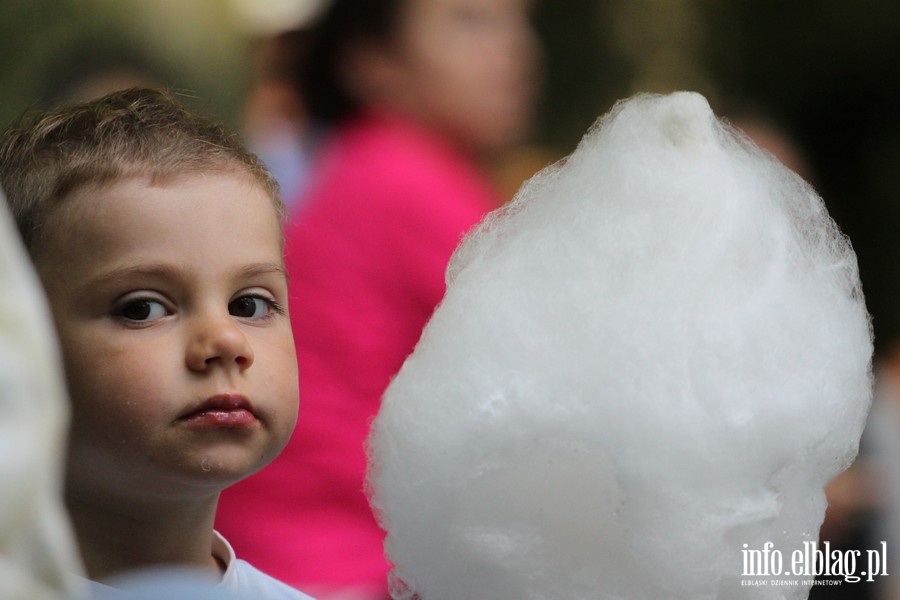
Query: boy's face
{"points": [[170, 302]]}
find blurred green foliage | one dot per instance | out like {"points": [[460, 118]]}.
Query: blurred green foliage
{"points": [[49, 48]]}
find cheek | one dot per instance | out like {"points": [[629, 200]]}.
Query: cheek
{"points": [[110, 392], [286, 372], [466, 95], [281, 378], [455, 73]]}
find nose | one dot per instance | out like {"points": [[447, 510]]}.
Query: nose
{"points": [[217, 341]]}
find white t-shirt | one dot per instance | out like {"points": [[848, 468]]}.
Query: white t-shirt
{"points": [[240, 581]]}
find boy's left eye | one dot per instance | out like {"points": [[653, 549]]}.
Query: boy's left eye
{"points": [[250, 307]]}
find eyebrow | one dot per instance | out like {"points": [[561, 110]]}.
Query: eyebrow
{"points": [[160, 271], [266, 268], [164, 271]]}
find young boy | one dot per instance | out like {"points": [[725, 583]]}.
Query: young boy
{"points": [[158, 240]]}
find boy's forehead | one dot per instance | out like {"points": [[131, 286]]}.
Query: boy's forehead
{"points": [[161, 175], [92, 199], [143, 207]]}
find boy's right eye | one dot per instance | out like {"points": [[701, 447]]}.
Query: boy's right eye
{"points": [[142, 310]]}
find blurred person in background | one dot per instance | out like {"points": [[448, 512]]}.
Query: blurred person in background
{"points": [[884, 434], [275, 119], [418, 97]]}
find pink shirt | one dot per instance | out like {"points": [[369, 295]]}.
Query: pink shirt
{"points": [[366, 256]]}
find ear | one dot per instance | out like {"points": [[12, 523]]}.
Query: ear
{"points": [[372, 72]]}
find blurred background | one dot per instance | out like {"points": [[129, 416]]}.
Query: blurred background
{"points": [[816, 82], [821, 74]]}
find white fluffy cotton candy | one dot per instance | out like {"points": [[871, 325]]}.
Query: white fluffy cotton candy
{"points": [[659, 352]]}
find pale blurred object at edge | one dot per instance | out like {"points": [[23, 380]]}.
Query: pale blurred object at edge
{"points": [[38, 559], [267, 17]]}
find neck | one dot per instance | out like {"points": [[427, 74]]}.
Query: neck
{"points": [[115, 537]]}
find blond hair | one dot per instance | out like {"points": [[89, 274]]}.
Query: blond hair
{"points": [[139, 132]]}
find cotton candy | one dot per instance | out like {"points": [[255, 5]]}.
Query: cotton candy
{"points": [[657, 353]]}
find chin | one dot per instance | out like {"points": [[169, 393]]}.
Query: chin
{"points": [[504, 132], [226, 464]]}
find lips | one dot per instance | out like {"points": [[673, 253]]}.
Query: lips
{"points": [[223, 411]]}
